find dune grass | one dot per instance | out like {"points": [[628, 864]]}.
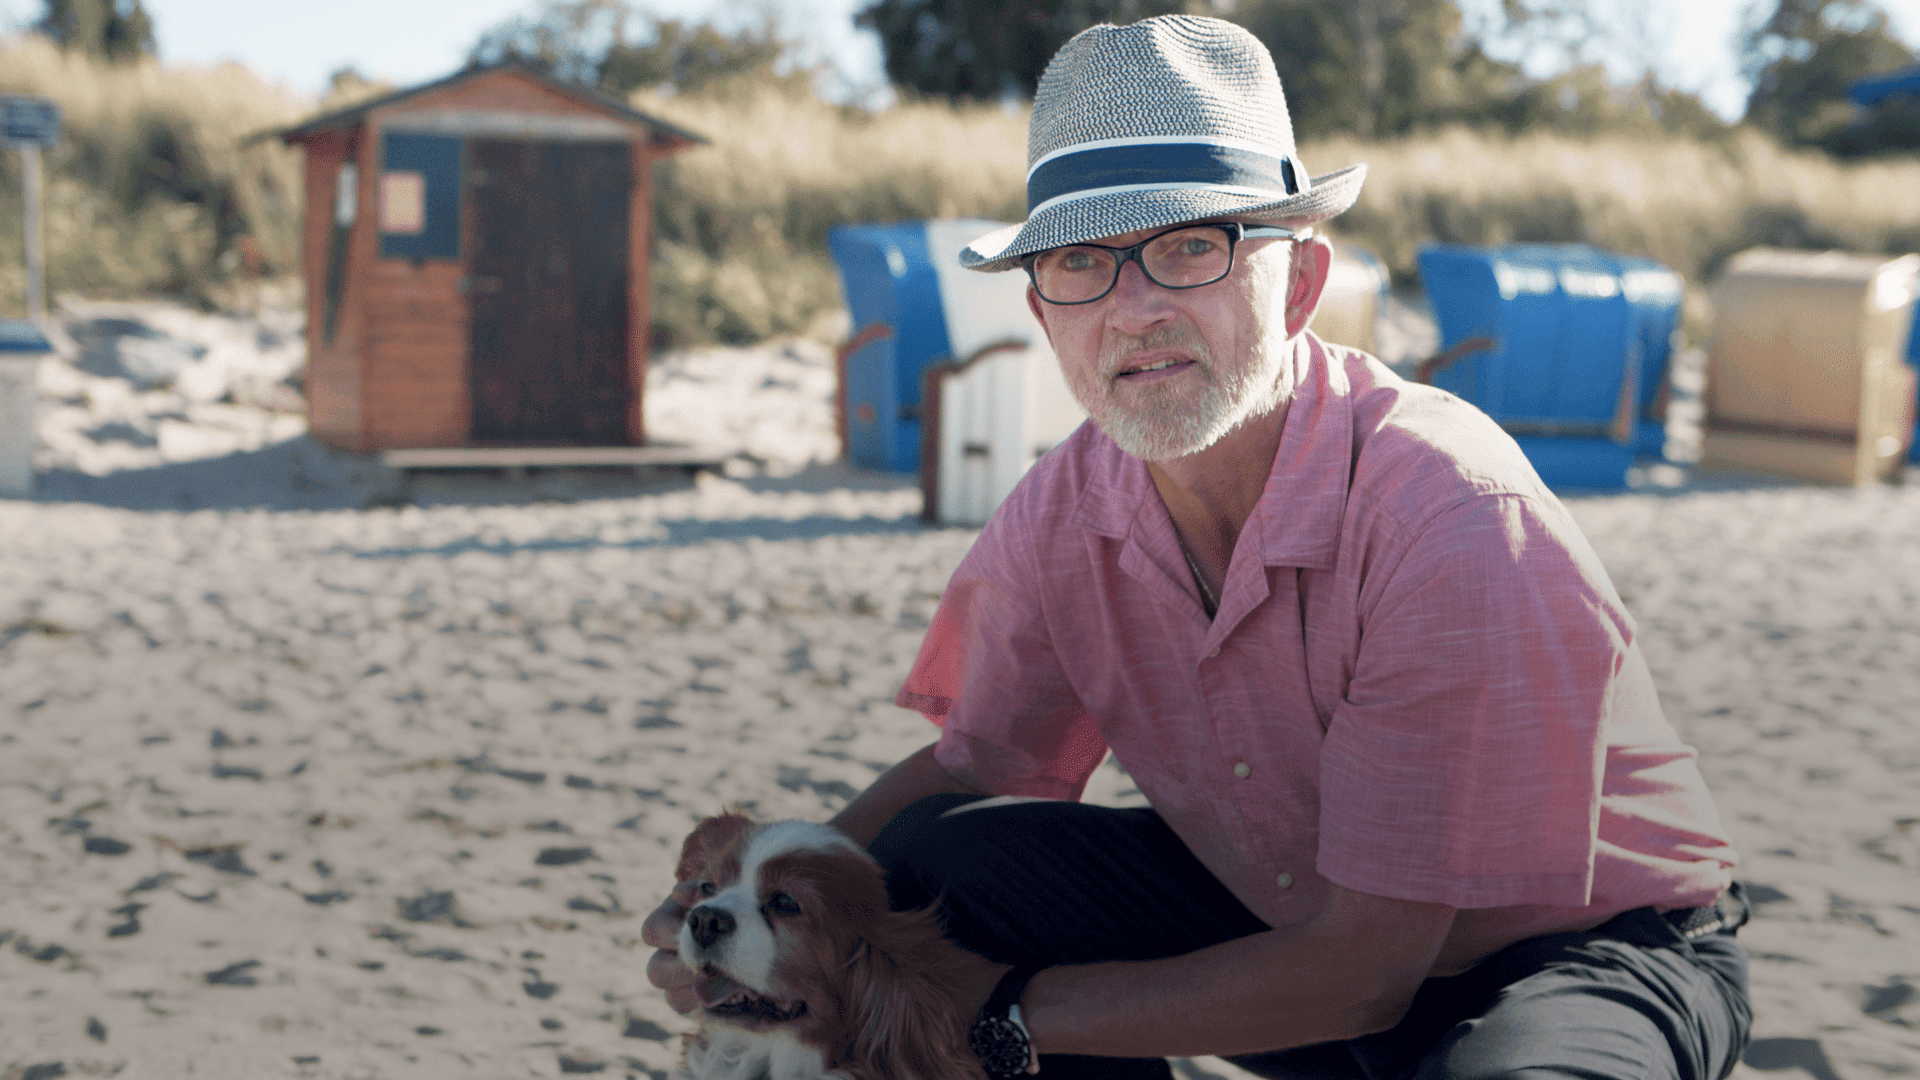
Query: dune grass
{"points": [[150, 188], [1688, 205], [743, 222], [153, 190]]}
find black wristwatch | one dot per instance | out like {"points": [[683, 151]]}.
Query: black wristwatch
{"points": [[999, 1038]]}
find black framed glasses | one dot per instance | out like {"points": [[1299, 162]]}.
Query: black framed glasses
{"points": [[1183, 257]]}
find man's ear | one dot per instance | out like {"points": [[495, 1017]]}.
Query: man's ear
{"points": [[1312, 259]]}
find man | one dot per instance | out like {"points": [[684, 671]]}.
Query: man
{"points": [[1416, 810]]}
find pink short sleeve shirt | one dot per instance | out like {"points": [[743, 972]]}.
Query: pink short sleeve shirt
{"points": [[1419, 684]]}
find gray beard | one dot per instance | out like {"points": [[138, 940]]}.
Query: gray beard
{"points": [[1163, 434]]}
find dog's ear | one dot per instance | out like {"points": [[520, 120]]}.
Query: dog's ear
{"points": [[709, 843], [903, 1023]]}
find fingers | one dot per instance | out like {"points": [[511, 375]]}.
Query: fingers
{"points": [[665, 971], [662, 931], [662, 928]]}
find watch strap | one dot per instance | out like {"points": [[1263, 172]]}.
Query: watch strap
{"points": [[1006, 992], [999, 1037]]}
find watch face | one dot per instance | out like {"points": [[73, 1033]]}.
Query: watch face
{"points": [[999, 1044]]}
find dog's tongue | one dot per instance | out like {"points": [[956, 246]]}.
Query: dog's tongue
{"points": [[711, 988]]}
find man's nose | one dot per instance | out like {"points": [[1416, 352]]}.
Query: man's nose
{"points": [[709, 924], [1136, 302]]}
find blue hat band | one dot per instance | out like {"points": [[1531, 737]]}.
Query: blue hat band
{"points": [[1145, 166]]}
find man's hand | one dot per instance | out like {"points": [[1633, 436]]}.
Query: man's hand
{"points": [[662, 931]]}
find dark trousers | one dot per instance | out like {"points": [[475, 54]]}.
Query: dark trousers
{"points": [[1067, 883]]}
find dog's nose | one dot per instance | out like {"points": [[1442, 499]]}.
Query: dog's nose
{"points": [[710, 924]]}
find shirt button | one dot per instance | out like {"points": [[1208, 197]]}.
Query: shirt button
{"points": [[1242, 770], [1285, 881], [1215, 654]]}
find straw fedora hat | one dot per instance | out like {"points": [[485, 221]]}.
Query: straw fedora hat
{"points": [[1167, 120]]}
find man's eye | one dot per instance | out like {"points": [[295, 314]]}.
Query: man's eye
{"points": [[782, 904], [1196, 245], [1077, 260]]}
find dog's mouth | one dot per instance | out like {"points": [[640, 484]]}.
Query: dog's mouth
{"points": [[720, 994]]}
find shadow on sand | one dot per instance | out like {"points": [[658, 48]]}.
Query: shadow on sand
{"points": [[299, 474], [302, 474], [1773, 1055]]}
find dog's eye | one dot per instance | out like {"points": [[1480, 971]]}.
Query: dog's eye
{"points": [[782, 904], [708, 888]]}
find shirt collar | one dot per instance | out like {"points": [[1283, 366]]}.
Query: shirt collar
{"points": [[1297, 520]]}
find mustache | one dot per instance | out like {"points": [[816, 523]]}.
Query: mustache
{"points": [[1165, 337]]}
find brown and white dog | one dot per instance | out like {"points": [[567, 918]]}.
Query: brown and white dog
{"points": [[802, 973]]}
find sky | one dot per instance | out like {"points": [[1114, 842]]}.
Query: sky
{"points": [[299, 43]]}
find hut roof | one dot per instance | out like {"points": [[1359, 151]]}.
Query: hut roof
{"points": [[614, 108]]}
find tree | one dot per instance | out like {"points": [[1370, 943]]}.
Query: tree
{"points": [[990, 49], [1893, 126], [558, 41], [587, 42], [1803, 57], [1591, 43], [690, 58], [112, 30], [1369, 68], [1577, 33]]}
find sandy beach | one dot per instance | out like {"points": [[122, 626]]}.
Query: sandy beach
{"points": [[311, 770]]}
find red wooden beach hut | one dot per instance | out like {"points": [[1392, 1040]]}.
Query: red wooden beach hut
{"points": [[476, 264]]}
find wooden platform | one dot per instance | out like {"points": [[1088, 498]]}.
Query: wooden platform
{"points": [[516, 460]]}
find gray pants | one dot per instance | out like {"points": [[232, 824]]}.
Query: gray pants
{"points": [[1065, 883]]}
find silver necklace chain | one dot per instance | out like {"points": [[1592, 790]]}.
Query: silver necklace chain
{"points": [[1212, 604]]}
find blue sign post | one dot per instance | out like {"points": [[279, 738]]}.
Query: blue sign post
{"points": [[27, 124]]}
